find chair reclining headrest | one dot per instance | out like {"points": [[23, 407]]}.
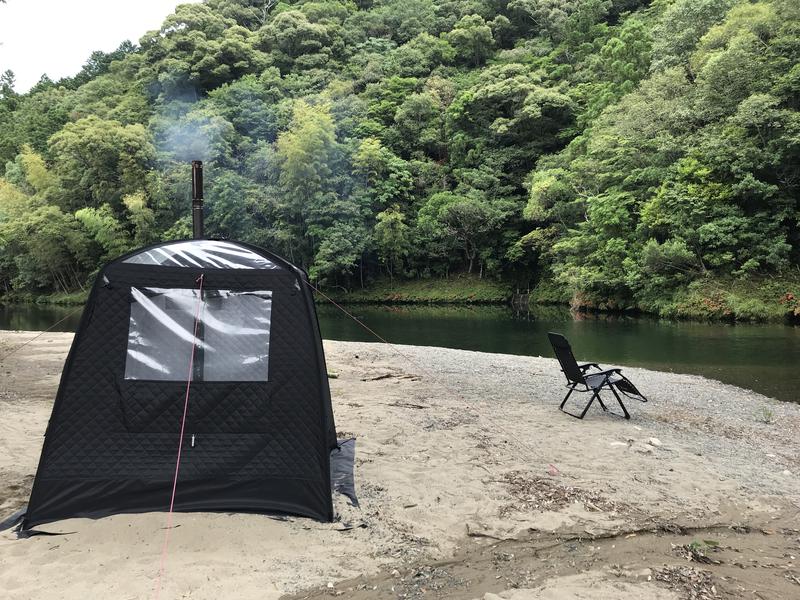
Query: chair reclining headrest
{"points": [[558, 340]]}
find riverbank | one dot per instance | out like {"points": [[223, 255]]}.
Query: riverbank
{"points": [[757, 300], [458, 289], [58, 298], [471, 483]]}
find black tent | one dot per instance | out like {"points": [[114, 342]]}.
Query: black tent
{"points": [[236, 322]]}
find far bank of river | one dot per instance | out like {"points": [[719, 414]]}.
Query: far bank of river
{"points": [[761, 357]]}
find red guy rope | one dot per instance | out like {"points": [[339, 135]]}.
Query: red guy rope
{"points": [[180, 439]]}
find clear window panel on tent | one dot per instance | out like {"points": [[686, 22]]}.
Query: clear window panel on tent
{"points": [[202, 254], [231, 342]]}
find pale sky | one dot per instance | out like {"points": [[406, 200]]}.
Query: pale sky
{"points": [[57, 36]]}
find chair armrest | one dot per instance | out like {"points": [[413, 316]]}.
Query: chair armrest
{"points": [[608, 372]]}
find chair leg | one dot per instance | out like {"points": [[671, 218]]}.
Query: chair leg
{"points": [[569, 393], [595, 395], [585, 409], [616, 395]]}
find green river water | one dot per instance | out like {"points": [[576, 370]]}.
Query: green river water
{"points": [[763, 358]]}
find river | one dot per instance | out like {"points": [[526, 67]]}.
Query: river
{"points": [[763, 358]]}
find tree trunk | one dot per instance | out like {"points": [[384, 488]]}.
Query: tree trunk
{"points": [[59, 280], [76, 279], [702, 264]]}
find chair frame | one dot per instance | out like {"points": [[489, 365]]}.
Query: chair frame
{"points": [[576, 375]]}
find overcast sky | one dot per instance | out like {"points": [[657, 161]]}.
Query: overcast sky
{"points": [[57, 36]]}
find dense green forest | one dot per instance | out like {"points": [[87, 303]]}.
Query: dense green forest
{"points": [[611, 153]]}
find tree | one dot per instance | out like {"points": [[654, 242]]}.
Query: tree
{"points": [[383, 177], [507, 117], [247, 13], [141, 217], [625, 150], [385, 97], [502, 31], [39, 178], [338, 252], [393, 239], [623, 61], [681, 26], [703, 213], [106, 231], [197, 49], [7, 93], [462, 222], [548, 16], [592, 255], [230, 201], [98, 64], [419, 56], [33, 261], [99, 162], [291, 35], [685, 178], [472, 39], [34, 119], [399, 20], [306, 154], [13, 201], [250, 104]]}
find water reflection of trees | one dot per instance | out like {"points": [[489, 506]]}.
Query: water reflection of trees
{"points": [[566, 314]]}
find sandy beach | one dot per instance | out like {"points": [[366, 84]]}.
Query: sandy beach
{"points": [[472, 486]]}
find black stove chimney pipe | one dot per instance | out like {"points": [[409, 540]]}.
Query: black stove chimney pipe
{"points": [[197, 199]]}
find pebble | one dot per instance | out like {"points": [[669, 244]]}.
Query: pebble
{"points": [[788, 473], [654, 442]]}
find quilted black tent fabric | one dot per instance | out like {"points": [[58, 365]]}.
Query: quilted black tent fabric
{"points": [[249, 446]]}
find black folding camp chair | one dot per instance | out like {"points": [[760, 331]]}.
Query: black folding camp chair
{"points": [[579, 375]]}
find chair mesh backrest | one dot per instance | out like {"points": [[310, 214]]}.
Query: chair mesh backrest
{"points": [[565, 357]]}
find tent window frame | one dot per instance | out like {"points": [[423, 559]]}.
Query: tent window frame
{"points": [[232, 342]]}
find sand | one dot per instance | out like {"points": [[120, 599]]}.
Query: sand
{"points": [[473, 486]]}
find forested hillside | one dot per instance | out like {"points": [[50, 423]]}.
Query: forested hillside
{"points": [[612, 153]]}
